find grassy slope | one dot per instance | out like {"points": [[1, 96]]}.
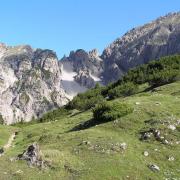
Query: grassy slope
{"points": [[71, 159]]}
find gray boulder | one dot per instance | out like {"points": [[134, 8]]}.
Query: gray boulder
{"points": [[32, 156], [154, 167]]}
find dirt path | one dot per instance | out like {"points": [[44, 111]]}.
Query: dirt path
{"points": [[9, 143]]}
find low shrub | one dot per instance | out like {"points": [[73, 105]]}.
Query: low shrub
{"points": [[159, 72], [108, 111], [87, 100], [164, 77], [53, 115], [126, 89]]}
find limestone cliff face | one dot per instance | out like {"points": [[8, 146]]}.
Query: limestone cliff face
{"points": [[88, 67], [30, 83], [140, 45], [33, 81]]}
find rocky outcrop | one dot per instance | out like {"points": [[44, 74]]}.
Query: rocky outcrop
{"points": [[154, 167], [30, 83], [140, 45], [84, 78], [33, 156]]}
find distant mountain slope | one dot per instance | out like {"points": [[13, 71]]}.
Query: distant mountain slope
{"points": [[140, 45], [83, 68]]}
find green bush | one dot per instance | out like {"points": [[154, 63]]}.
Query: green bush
{"points": [[156, 73], [108, 111], [164, 77], [87, 100], [53, 115], [126, 89]]}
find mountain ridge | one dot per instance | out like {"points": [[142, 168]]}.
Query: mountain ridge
{"points": [[34, 81]]}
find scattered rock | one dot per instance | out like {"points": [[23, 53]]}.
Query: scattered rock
{"points": [[146, 135], [123, 146], [161, 137], [154, 167], [172, 127], [32, 156], [157, 134], [166, 141], [171, 158], [146, 153], [19, 171], [158, 103], [86, 142], [111, 148]]}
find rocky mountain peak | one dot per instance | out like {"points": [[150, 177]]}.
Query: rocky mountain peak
{"points": [[140, 45], [94, 53], [80, 70]]}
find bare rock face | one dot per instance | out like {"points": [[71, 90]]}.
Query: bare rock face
{"points": [[87, 66], [84, 78], [80, 71], [33, 81], [30, 83], [154, 167], [140, 45], [32, 156]]}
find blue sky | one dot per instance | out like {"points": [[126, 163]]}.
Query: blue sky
{"points": [[65, 25]]}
